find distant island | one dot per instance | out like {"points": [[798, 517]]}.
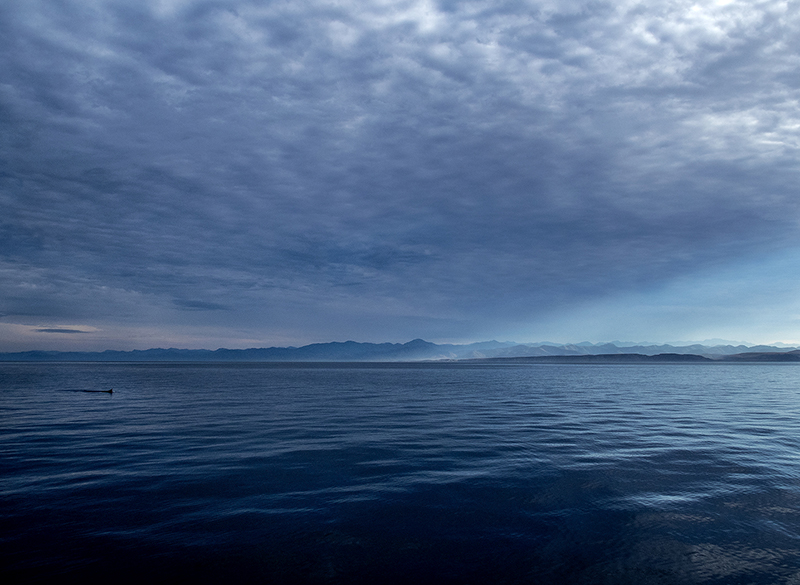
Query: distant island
{"points": [[421, 350]]}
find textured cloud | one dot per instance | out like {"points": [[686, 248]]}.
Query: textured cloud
{"points": [[384, 169]]}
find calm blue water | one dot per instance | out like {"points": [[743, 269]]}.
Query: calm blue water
{"points": [[442, 473]]}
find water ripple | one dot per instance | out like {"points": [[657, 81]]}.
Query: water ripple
{"points": [[430, 472]]}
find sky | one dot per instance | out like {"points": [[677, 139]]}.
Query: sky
{"points": [[237, 173]]}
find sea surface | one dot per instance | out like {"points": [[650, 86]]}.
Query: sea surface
{"points": [[399, 473]]}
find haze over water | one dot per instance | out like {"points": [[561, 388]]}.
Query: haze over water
{"points": [[342, 473]]}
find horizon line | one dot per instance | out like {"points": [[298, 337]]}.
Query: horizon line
{"points": [[616, 343]]}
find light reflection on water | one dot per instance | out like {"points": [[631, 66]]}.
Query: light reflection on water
{"points": [[431, 472]]}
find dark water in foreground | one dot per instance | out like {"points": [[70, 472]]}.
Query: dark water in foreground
{"points": [[406, 473]]}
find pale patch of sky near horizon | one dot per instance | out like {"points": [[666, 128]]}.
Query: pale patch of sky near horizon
{"points": [[205, 173], [755, 298]]}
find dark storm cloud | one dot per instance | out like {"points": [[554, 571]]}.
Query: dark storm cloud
{"points": [[423, 161]]}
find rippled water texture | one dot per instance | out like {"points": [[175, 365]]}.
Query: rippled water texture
{"points": [[400, 473]]}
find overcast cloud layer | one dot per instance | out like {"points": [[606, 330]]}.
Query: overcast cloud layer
{"points": [[239, 173]]}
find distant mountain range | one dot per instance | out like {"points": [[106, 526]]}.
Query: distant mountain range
{"points": [[418, 349]]}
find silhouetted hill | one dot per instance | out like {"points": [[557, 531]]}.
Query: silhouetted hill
{"points": [[750, 356], [606, 358]]}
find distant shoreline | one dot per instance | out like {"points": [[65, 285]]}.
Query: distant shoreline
{"points": [[621, 358], [635, 358], [418, 351]]}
